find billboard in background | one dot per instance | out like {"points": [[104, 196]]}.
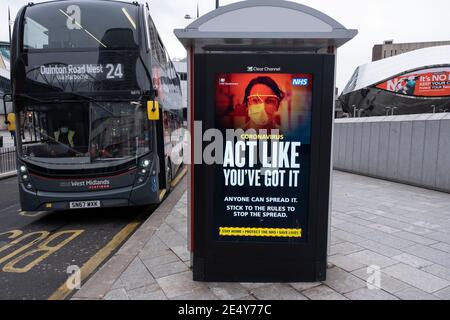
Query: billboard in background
{"points": [[264, 199], [424, 83]]}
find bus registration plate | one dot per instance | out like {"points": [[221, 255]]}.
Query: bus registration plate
{"points": [[84, 204]]}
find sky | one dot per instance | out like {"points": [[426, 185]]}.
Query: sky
{"points": [[376, 21]]}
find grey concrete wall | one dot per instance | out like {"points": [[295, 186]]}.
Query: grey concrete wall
{"points": [[411, 149]]}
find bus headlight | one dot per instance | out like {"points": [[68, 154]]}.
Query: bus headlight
{"points": [[145, 163], [143, 171], [29, 186], [23, 169], [141, 180], [25, 177]]}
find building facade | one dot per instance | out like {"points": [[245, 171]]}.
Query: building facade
{"points": [[391, 49], [410, 83]]}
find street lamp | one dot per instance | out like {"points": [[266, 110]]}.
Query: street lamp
{"points": [[387, 110], [393, 109], [188, 16], [434, 108]]}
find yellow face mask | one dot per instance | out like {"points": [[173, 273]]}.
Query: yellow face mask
{"points": [[257, 114]]}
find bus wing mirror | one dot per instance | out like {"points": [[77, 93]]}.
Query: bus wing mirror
{"points": [[4, 103], [153, 110]]}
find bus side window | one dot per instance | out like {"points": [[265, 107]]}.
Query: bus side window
{"points": [[166, 126], [153, 38]]}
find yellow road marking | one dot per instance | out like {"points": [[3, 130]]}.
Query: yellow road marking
{"points": [[179, 177], [93, 263], [41, 236], [14, 233], [44, 248], [162, 194]]}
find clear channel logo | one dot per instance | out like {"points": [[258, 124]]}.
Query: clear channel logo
{"points": [[263, 69]]}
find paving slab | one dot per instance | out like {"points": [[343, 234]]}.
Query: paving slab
{"points": [[323, 292], [439, 271], [180, 284], [412, 260], [151, 292], [228, 291], [346, 263], [387, 283], [441, 246], [443, 294], [415, 294], [415, 238], [370, 294], [136, 275], [197, 294], [342, 281], [277, 292], [380, 248], [118, 294], [302, 286], [416, 278], [345, 248], [163, 270], [370, 258], [431, 254]]}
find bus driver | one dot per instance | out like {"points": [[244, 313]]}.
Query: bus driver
{"points": [[64, 135]]}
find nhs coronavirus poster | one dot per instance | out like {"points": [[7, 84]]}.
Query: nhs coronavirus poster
{"points": [[262, 184]]}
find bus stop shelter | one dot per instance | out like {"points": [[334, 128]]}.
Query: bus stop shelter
{"points": [[263, 70]]}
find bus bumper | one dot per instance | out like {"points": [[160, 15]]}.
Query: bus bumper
{"points": [[120, 197]]}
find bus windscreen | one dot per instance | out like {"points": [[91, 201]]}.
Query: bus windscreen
{"points": [[81, 25]]}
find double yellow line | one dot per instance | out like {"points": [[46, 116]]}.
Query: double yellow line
{"points": [[92, 264]]}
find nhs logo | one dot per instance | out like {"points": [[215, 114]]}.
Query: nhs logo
{"points": [[300, 82]]}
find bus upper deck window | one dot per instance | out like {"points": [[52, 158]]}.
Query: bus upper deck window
{"points": [[81, 25]]}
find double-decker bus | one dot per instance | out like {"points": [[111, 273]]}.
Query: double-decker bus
{"points": [[98, 106]]}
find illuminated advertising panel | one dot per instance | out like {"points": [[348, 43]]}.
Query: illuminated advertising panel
{"points": [[424, 83], [262, 186], [259, 200]]}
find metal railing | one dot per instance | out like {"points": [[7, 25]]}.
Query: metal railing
{"points": [[7, 159]]}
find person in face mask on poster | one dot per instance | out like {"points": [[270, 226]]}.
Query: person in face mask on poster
{"points": [[262, 98]]}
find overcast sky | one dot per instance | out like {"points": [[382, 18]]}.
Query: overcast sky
{"points": [[376, 20]]}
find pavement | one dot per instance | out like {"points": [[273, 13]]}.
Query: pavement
{"points": [[7, 140], [388, 241]]}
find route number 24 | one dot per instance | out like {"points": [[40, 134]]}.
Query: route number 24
{"points": [[114, 71]]}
